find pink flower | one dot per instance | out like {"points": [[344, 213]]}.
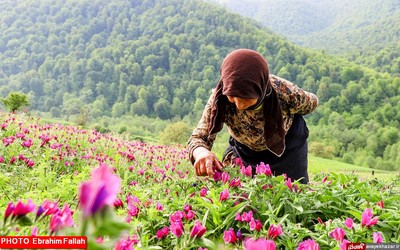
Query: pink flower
{"points": [[61, 219], [377, 237], [308, 245], [224, 195], [255, 225], [27, 143], [274, 231], [159, 206], [238, 162], [229, 236], [217, 176], [176, 228], [263, 168], [125, 243], [238, 217], [338, 234], [349, 223], [101, 190], [288, 183], [118, 203], [133, 210], [225, 177], [203, 192], [198, 230], [247, 171], [50, 207], [247, 217], [253, 244], [367, 218], [343, 245], [162, 233], [34, 231], [12, 159], [9, 210], [189, 215], [187, 208], [235, 182], [23, 209]]}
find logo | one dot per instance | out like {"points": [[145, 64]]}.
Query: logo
{"points": [[356, 246]]}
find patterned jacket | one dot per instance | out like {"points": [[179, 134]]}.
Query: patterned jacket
{"points": [[247, 126]]}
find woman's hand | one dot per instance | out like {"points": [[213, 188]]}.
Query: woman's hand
{"points": [[206, 163]]}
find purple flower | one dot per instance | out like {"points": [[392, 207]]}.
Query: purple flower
{"points": [[264, 244], [101, 190], [308, 245]]}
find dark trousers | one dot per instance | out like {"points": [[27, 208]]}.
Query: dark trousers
{"points": [[293, 162]]}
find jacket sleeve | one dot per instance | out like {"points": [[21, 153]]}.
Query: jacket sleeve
{"points": [[294, 99], [200, 137]]}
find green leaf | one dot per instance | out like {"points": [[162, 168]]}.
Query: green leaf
{"points": [[24, 221], [208, 243]]}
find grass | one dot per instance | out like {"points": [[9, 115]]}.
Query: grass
{"points": [[318, 165]]}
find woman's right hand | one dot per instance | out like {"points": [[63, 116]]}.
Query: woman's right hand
{"points": [[206, 162]]}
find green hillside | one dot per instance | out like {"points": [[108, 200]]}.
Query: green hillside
{"points": [[113, 64], [334, 26]]}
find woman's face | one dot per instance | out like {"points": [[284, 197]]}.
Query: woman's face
{"points": [[242, 103]]}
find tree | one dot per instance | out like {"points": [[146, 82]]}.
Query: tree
{"points": [[15, 101], [178, 132]]}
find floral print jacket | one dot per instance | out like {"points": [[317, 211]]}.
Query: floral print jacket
{"points": [[247, 126]]}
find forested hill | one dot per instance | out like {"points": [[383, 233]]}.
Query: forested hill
{"points": [[332, 25], [161, 58]]}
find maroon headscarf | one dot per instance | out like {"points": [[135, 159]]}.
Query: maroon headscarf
{"points": [[245, 74]]}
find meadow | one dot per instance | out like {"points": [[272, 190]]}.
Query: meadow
{"points": [[122, 194]]}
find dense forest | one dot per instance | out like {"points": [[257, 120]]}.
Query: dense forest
{"points": [[335, 26], [94, 61]]}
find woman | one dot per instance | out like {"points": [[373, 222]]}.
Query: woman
{"points": [[263, 114]]}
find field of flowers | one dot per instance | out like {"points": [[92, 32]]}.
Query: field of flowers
{"points": [[63, 180]]}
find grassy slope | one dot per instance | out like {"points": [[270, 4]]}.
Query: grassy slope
{"points": [[321, 165]]}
